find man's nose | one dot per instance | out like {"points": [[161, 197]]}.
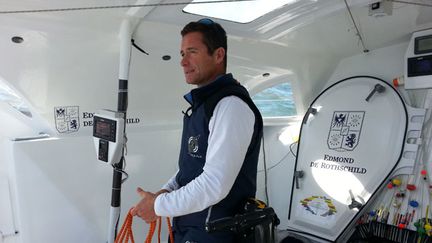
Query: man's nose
{"points": [[183, 61]]}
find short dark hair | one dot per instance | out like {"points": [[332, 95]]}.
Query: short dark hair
{"points": [[214, 36]]}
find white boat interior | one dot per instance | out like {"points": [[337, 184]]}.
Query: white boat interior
{"points": [[310, 65]]}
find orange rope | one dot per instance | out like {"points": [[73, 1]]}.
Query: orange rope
{"points": [[126, 230], [160, 228], [151, 232], [171, 235]]}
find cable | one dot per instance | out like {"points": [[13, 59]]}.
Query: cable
{"points": [[265, 173], [123, 159], [290, 147], [139, 48], [365, 50], [114, 7], [265, 170], [283, 158], [122, 171]]}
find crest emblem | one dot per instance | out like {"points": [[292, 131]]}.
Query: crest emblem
{"points": [[193, 144], [345, 129], [319, 205], [67, 119]]}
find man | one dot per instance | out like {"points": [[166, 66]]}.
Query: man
{"points": [[220, 144]]}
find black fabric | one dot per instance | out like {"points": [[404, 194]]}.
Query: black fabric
{"points": [[197, 235], [290, 239]]}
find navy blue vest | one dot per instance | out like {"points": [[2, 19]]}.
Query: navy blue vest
{"points": [[194, 147]]}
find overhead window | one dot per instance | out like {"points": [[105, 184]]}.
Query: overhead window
{"points": [[7, 95], [276, 101], [241, 12]]}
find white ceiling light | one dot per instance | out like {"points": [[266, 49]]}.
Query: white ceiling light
{"points": [[241, 12]]}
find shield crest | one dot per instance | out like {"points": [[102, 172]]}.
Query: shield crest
{"points": [[67, 119], [345, 129]]}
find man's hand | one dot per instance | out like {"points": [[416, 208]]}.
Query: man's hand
{"points": [[160, 192], [145, 207]]}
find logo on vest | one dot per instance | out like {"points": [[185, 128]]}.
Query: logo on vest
{"points": [[193, 146]]}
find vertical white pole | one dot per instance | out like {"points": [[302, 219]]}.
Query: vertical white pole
{"points": [[125, 53]]}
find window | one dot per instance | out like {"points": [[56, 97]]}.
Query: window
{"points": [[241, 12], [9, 96], [276, 101]]}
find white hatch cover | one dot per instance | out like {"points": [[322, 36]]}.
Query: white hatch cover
{"points": [[348, 147]]}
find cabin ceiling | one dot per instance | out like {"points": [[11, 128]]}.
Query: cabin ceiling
{"points": [[71, 54]]}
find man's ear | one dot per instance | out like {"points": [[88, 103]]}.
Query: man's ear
{"points": [[219, 55]]}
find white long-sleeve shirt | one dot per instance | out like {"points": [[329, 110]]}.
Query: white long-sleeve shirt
{"points": [[231, 128]]}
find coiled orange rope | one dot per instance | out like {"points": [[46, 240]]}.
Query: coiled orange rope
{"points": [[126, 230]]}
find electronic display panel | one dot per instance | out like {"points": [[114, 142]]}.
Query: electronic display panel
{"points": [[104, 129], [423, 44]]}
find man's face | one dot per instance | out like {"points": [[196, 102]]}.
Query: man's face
{"points": [[199, 67]]}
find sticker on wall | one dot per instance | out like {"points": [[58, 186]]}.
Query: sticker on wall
{"points": [[345, 129], [319, 205], [67, 118]]}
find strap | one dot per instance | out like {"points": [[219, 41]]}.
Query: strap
{"points": [[126, 230]]}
